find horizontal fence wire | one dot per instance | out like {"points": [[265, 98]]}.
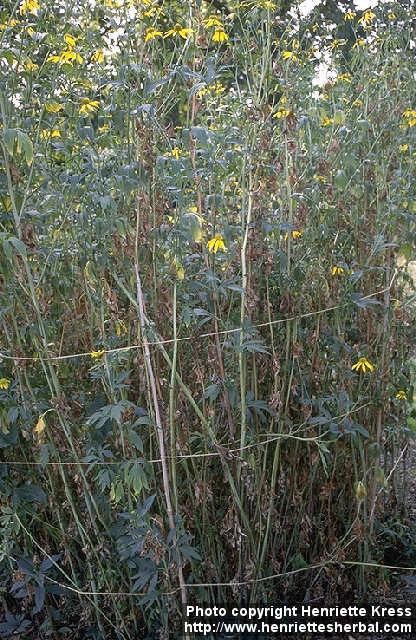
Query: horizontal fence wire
{"points": [[196, 585], [222, 449], [140, 345]]}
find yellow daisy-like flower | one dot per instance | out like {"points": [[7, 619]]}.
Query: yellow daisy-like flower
{"points": [[282, 113], [363, 365], [344, 77], [327, 121], [337, 270], [88, 106], [403, 148], [401, 395], [120, 328], [152, 33], [29, 6], [71, 56], [213, 21], [319, 178], [289, 55], [367, 18], [4, 383], [216, 244], [70, 40], [98, 56], [47, 134], [360, 42], [31, 66], [220, 35], [95, 355], [177, 30], [410, 117], [54, 107], [335, 44], [176, 153], [349, 15], [66, 57], [296, 234]]}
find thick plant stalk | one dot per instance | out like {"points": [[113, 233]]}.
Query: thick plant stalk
{"points": [[155, 403], [244, 281]]}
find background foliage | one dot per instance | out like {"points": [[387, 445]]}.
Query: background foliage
{"points": [[199, 243]]}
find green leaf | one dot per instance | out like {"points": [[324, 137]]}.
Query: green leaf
{"points": [[19, 245], [29, 493], [15, 139]]}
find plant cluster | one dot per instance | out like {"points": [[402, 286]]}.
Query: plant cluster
{"points": [[207, 311]]}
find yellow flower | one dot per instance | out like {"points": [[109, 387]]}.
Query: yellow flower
{"points": [[357, 103], [345, 77], [176, 153], [362, 365], [216, 243], [410, 116], [360, 491], [289, 55], [98, 56], [336, 270], [68, 56], [213, 21], [29, 6], [40, 426], [53, 107], [177, 30], [11, 22], [401, 395], [220, 35], [337, 43], [282, 113], [47, 134], [152, 33], [296, 234], [349, 15], [4, 383], [318, 178], [95, 355], [360, 42], [120, 328], [367, 18], [391, 16], [153, 11], [88, 106], [70, 40], [31, 66], [180, 272], [326, 121], [104, 128], [403, 148]]}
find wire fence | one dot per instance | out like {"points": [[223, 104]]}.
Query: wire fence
{"points": [[210, 334]]}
